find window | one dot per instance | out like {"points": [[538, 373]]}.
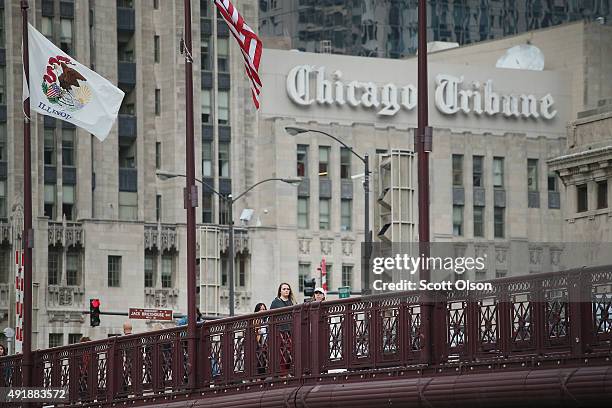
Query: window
{"points": [[302, 160], [224, 159], [223, 107], [156, 48], [532, 174], [66, 36], [49, 147], [73, 269], [128, 205], [478, 221], [224, 266], [158, 207], [114, 271], [205, 52], [480, 275], [223, 54], [302, 213], [501, 273], [207, 158], [241, 271], [324, 211], [127, 156], [3, 199], [602, 194], [207, 207], [498, 219], [56, 340], [303, 273], [347, 275], [68, 147], [158, 155], [224, 212], [477, 170], [50, 201], [5, 265], [457, 220], [498, 172], [323, 161], [166, 272], [457, 170], [149, 271], [204, 8], [74, 338], [68, 206], [54, 267], [157, 102], [552, 182], [345, 163], [47, 27], [205, 105], [156, 4], [346, 212], [3, 152], [2, 85], [583, 202]]}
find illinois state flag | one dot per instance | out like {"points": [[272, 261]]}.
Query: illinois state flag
{"points": [[62, 88]]}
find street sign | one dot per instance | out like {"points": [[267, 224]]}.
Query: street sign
{"points": [[150, 314], [344, 292]]}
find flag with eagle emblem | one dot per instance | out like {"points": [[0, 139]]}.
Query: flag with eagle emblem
{"points": [[249, 44], [64, 89]]}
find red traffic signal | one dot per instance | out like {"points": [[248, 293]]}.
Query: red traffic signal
{"points": [[94, 312]]}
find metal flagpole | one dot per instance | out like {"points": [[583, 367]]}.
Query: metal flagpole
{"points": [[191, 202], [423, 144], [28, 232]]}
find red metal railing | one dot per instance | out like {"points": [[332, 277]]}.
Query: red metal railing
{"points": [[537, 317]]}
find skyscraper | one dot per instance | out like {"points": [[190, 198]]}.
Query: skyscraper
{"points": [[388, 28]]}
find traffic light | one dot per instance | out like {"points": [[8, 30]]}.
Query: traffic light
{"points": [[309, 287], [94, 312]]}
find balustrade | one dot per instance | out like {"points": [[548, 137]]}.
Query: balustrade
{"points": [[547, 318]]}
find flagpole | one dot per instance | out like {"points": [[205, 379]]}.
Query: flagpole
{"points": [[28, 232], [191, 200]]}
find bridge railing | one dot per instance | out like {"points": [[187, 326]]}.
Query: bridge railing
{"points": [[543, 316]]}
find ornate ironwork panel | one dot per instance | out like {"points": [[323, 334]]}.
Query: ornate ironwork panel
{"points": [[456, 315], [488, 329]]}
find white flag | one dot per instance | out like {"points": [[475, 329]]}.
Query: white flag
{"points": [[62, 88]]}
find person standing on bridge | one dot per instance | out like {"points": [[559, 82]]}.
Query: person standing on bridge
{"points": [[284, 298], [319, 295]]}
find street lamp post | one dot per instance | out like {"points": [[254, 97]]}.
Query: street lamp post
{"points": [[229, 200], [365, 276]]}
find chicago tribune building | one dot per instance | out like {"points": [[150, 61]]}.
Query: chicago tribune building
{"points": [[109, 221]]}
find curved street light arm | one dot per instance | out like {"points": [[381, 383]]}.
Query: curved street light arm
{"points": [[339, 141], [255, 185]]}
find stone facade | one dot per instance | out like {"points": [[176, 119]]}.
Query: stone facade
{"points": [[129, 251]]}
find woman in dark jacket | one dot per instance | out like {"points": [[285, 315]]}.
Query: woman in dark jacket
{"points": [[284, 298]]}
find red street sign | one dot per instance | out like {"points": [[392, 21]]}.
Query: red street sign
{"points": [[150, 314]]}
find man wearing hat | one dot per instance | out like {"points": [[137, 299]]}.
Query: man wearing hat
{"points": [[319, 295]]}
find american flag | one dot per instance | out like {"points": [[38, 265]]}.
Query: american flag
{"points": [[249, 43]]}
